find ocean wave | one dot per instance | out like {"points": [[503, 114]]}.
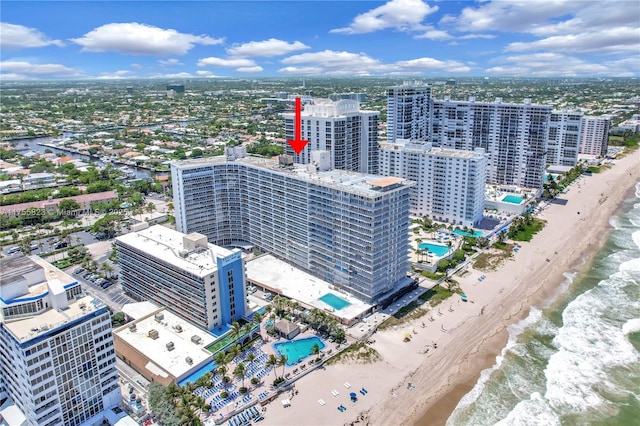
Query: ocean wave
{"points": [[531, 412], [515, 330], [631, 326], [588, 344], [614, 221], [636, 238]]}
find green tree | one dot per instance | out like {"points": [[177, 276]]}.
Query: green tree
{"points": [[69, 207]]}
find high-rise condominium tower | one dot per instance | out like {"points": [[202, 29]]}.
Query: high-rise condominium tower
{"points": [[57, 359], [450, 183], [347, 228], [594, 138], [514, 136], [349, 134], [408, 112]]}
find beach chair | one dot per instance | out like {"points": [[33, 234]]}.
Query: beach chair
{"points": [[335, 392], [321, 402], [347, 385]]}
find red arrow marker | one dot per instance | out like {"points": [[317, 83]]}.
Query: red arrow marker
{"points": [[298, 144]]}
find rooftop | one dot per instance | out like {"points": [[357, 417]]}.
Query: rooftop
{"points": [[169, 245], [25, 329], [280, 277], [170, 329], [358, 183], [34, 271], [428, 148]]}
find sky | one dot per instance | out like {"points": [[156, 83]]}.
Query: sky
{"points": [[41, 40]]}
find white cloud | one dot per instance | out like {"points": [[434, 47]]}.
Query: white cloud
{"points": [[172, 75], [132, 38], [301, 70], [560, 65], [433, 34], [20, 37], [401, 15], [474, 36], [203, 73], [330, 62], [226, 63], [509, 15], [115, 75], [256, 68], [431, 64], [29, 70], [266, 48], [337, 63], [606, 41], [173, 62]]}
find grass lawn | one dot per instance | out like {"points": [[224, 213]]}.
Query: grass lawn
{"points": [[491, 259], [528, 231]]}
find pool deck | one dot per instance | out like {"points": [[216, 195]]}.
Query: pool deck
{"points": [[282, 278]]}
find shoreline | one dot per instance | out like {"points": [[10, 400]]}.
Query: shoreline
{"points": [[438, 408], [417, 383]]}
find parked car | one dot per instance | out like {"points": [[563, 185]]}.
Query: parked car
{"points": [[13, 250], [60, 244], [107, 284], [78, 271], [34, 247]]}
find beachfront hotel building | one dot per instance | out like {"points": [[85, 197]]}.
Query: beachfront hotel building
{"points": [[349, 229], [349, 134], [564, 137], [57, 359], [594, 137], [409, 112], [514, 136], [200, 282], [450, 183]]}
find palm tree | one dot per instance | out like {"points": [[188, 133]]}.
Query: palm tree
{"points": [[235, 329], [173, 390], [282, 361], [240, 371], [272, 362], [221, 361], [501, 237], [315, 350], [245, 330]]}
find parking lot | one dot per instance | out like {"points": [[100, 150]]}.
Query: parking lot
{"points": [[113, 295], [46, 244]]}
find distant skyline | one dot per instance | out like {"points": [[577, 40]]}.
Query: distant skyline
{"points": [[252, 39]]}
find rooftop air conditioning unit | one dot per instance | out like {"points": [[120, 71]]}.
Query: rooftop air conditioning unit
{"points": [[196, 339], [132, 328], [170, 346], [178, 328], [159, 317], [189, 360], [153, 334]]}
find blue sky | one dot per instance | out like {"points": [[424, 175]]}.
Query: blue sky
{"points": [[174, 39]]}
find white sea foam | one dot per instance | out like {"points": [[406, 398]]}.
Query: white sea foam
{"points": [[535, 315], [614, 221], [531, 412], [631, 326], [636, 238], [587, 344]]}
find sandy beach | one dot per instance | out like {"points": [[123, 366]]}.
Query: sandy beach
{"points": [[415, 383]]}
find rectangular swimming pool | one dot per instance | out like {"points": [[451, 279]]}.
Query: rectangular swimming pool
{"points": [[436, 249], [513, 199], [334, 301], [462, 233]]}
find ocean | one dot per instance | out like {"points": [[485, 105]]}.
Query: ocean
{"points": [[575, 361]]}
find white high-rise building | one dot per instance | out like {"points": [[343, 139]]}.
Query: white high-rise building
{"points": [[409, 112], [594, 137], [514, 136], [564, 138], [200, 282], [347, 228], [57, 358], [349, 134], [450, 182]]}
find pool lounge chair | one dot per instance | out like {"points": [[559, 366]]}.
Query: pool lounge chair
{"points": [[347, 385], [321, 402], [335, 392]]}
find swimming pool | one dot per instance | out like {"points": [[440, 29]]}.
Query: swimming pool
{"points": [[297, 350], [436, 249], [475, 234], [334, 301], [513, 199]]}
